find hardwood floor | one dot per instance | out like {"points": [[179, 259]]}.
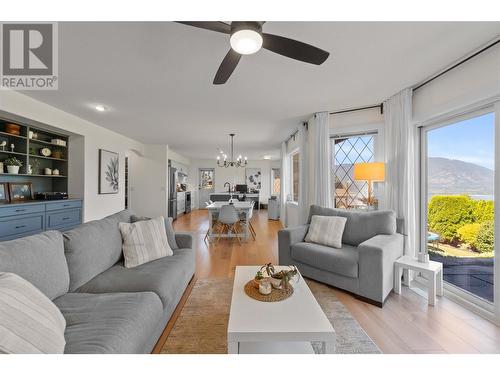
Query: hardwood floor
{"points": [[406, 324]]}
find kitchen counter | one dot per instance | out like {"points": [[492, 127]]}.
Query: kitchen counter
{"points": [[236, 194], [225, 196]]}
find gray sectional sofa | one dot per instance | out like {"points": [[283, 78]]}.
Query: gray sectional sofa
{"points": [[108, 308], [371, 242]]}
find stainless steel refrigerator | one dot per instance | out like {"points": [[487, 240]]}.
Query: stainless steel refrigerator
{"points": [[172, 193]]}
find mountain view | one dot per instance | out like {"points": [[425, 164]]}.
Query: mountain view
{"points": [[449, 176]]}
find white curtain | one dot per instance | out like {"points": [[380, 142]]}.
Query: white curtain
{"points": [[401, 164], [285, 177], [319, 160], [303, 203]]}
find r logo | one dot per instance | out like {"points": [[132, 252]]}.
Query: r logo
{"points": [[27, 49]]}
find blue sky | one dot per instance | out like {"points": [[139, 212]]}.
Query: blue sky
{"points": [[470, 140]]}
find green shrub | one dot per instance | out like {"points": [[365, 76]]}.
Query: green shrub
{"points": [[449, 213], [485, 237], [483, 211], [468, 234]]}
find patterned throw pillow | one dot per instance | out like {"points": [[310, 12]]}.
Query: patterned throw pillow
{"points": [[326, 230], [30, 323], [144, 241]]}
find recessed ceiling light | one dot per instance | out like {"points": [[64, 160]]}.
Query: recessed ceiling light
{"points": [[101, 108], [267, 157]]}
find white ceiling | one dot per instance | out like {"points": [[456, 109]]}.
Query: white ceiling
{"points": [[156, 78]]}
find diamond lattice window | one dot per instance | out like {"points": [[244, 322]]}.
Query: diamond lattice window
{"points": [[348, 151]]}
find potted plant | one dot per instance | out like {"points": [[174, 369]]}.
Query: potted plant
{"points": [[258, 278], [13, 164], [34, 166], [269, 269], [282, 278]]}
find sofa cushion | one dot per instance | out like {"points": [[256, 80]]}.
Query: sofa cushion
{"points": [[326, 230], [109, 323], [343, 261], [360, 226], [38, 259], [30, 323], [144, 241], [167, 277], [169, 229], [93, 247]]}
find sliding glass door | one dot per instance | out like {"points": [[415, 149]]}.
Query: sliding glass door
{"points": [[458, 158]]}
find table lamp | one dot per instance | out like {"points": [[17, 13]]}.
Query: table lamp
{"points": [[369, 172]]}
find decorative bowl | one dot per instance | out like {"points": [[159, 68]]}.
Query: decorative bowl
{"points": [[13, 129]]}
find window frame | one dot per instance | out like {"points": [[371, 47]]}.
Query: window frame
{"points": [[273, 174], [372, 131], [481, 306]]}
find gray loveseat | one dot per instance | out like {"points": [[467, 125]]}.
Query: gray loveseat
{"points": [[365, 263], [108, 308]]}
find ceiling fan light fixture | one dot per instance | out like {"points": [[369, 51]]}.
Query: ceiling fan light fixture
{"points": [[246, 42]]}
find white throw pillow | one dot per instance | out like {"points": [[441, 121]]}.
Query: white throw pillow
{"points": [[144, 241], [29, 321], [326, 230]]}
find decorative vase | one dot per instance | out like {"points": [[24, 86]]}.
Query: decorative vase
{"points": [[47, 171], [13, 169], [265, 287], [30, 170], [55, 172], [1, 167], [276, 283]]}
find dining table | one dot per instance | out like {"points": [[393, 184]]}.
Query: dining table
{"points": [[241, 207]]}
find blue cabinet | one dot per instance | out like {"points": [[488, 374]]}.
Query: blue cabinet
{"points": [[24, 219]]}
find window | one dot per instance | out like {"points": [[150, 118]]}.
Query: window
{"points": [[275, 181], [295, 174], [458, 161], [346, 151]]}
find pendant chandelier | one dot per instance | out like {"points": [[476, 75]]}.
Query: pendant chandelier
{"points": [[239, 162]]}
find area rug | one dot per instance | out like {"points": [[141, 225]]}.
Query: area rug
{"points": [[202, 325]]}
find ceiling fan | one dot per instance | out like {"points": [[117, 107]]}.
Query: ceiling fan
{"points": [[247, 38]]}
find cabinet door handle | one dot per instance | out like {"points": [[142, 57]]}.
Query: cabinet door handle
{"points": [[65, 218], [20, 226], [20, 210], [65, 205]]}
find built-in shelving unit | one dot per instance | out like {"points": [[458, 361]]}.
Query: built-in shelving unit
{"points": [[27, 146]]}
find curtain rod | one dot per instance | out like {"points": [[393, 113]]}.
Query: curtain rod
{"points": [[457, 64], [381, 106]]}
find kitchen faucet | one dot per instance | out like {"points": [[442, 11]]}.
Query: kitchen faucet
{"points": [[229, 187]]}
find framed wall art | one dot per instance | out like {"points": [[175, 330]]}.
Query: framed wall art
{"points": [[108, 172]]}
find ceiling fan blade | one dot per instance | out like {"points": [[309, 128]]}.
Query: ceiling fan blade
{"points": [[294, 49], [220, 27], [227, 67]]}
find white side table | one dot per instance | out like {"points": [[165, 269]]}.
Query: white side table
{"points": [[432, 270]]}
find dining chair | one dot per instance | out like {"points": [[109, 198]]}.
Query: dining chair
{"points": [[243, 219], [229, 220], [215, 222]]}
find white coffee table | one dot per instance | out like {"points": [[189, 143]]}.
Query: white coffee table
{"points": [[285, 327], [432, 270]]}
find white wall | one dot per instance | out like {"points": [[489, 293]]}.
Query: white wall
{"points": [[149, 181], [234, 175], [83, 170], [174, 155]]}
